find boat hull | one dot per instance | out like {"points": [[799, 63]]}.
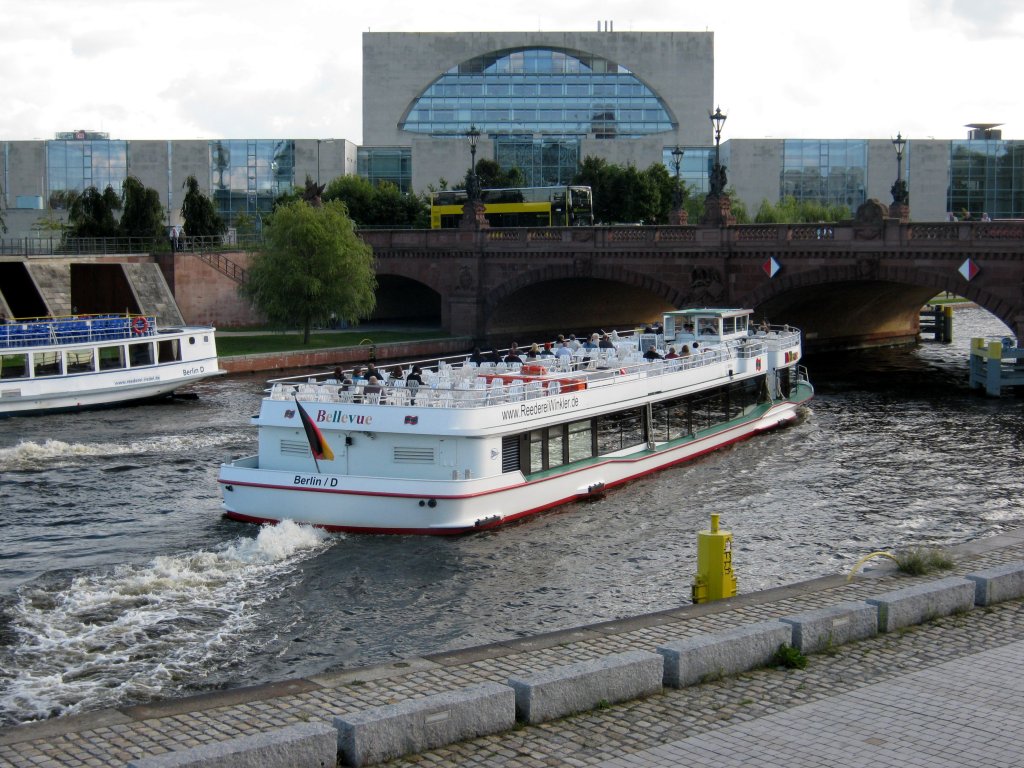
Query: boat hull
{"points": [[383, 505]]}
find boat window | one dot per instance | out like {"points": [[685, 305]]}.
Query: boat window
{"points": [[670, 420], [743, 323], [80, 360], [728, 325], [14, 366], [46, 363], [169, 351], [536, 440], [140, 354], [111, 357], [556, 446], [581, 440], [616, 431]]}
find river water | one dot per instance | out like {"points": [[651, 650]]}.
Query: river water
{"points": [[120, 582]]}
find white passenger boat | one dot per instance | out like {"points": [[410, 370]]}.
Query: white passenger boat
{"points": [[89, 361], [476, 446]]}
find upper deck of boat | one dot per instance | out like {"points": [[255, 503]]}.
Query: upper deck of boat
{"points": [[78, 329], [460, 383]]}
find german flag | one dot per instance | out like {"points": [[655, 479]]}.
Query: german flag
{"points": [[317, 444]]}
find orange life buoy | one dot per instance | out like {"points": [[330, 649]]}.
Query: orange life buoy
{"points": [[140, 325]]}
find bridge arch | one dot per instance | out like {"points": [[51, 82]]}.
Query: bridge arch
{"points": [[576, 296], [881, 302], [406, 299]]}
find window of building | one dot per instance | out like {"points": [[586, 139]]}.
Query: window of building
{"points": [[538, 90], [247, 175], [830, 172], [391, 164], [694, 169], [986, 176], [75, 165], [547, 161]]}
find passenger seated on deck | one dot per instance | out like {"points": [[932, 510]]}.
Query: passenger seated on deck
{"points": [[533, 351], [546, 352], [416, 374], [513, 355], [372, 386], [477, 356], [651, 354], [685, 351], [606, 342], [347, 385], [563, 350], [672, 354]]}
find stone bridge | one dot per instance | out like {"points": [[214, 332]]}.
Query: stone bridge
{"points": [[848, 285]]}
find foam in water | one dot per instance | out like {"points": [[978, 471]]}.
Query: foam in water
{"points": [[139, 631], [28, 454]]}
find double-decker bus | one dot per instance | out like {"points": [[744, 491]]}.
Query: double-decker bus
{"points": [[518, 207]]}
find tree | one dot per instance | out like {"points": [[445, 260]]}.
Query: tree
{"points": [[200, 215], [789, 211], [92, 213], [356, 193], [492, 176], [383, 205], [313, 266], [143, 214]]}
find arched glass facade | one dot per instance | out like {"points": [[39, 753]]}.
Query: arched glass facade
{"points": [[538, 91]]}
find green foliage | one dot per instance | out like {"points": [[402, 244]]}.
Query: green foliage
{"points": [[492, 176], [790, 211], [92, 213], [383, 205], [624, 194], [922, 560], [313, 266], [200, 215], [789, 657], [143, 214], [63, 199]]}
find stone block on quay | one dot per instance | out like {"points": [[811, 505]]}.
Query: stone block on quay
{"points": [[820, 629], [561, 691], [415, 725], [997, 584], [695, 659], [312, 744], [923, 602]]}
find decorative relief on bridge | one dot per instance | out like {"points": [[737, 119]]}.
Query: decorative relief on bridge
{"points": [[870, 219], [504, 235], [706, 287], [582, 267], [465, 278], [867, 269]]}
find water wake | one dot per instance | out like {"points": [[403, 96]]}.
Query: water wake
{"points": [[28, 454], [139, 631]]}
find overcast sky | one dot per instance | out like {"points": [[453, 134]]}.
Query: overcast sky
{"points": [[184, 69]]}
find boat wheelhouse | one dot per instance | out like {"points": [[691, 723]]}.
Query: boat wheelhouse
{"points": [[88, 361], [477, 445]]}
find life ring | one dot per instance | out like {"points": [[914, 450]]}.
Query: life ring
{"points": [[140, 325], [758, 365]]}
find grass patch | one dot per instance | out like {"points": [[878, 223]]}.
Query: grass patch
{"points": [[922, 560], [229, 346], [789, 657]]}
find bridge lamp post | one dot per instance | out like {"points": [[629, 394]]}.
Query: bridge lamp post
{"points": [[900, 193], [678, 216], [473, 211], [473, 134], [717, 205]]}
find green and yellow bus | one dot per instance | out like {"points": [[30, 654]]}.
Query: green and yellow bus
{"points": [[519, 207]]}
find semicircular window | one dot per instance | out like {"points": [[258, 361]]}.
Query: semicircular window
{"points": [[538, 91]]}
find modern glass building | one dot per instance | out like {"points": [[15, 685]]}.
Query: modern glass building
{"points": [[542, 101], [986, 176]]}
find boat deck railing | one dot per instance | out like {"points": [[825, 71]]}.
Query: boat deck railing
{"points": [[456, 382], [80, 329]]}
